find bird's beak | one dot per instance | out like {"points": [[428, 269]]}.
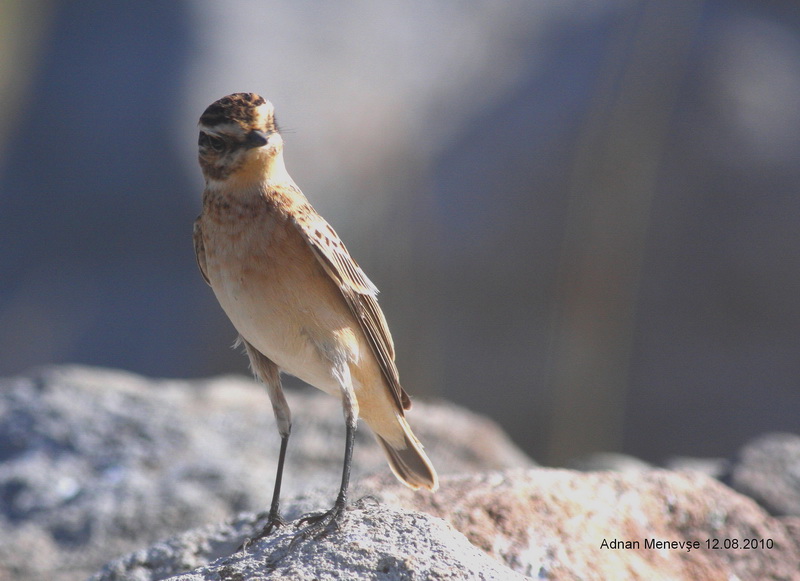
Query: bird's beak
{"points": [[257, 138]]}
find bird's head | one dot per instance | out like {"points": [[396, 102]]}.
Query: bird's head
{"points": [[239, 138]]}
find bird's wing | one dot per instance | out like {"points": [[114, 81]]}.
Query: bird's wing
{"points": [[200, 249], [357, 290]]}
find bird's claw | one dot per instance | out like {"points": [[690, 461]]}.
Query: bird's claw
{"points": [[274, 522], [322, 523]]}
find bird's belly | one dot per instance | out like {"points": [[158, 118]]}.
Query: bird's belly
{"points": [[285, 312]]}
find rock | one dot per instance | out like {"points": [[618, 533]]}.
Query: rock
{"points": [[543, 523], [608, 461], [768, 469], [96, 463], [718, 468], [373, 542], [552, 524]]}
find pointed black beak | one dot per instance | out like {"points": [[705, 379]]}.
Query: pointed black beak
{"points": [[257, 138]]}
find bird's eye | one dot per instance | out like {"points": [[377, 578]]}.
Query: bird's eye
{"points": [[211, 141]]}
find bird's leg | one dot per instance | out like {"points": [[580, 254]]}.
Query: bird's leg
{"points": [[274, 519], [321, 523], [270, 375]]}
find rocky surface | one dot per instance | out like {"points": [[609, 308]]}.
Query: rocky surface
{"points": [[372, 542], [540, 523], [769, 470], [95, 464]]}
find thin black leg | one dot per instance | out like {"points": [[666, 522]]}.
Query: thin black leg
{"points": [[320, 523], [275, 519], [350, 438], [268, 372]]}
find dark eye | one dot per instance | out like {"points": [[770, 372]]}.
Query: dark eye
{"points": [[211, 141]]}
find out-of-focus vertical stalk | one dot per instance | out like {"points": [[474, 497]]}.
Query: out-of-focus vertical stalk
{"points": [[613, 180], [22, 27]]}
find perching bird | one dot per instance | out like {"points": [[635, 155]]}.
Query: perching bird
{"points": [[300, 303]]}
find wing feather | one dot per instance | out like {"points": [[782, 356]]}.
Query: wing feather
{"points": [[200, 249], [359, 293]]}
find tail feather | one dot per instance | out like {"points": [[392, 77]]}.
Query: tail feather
{"points": [[410, 464]]}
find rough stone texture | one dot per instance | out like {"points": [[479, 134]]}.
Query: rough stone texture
{"points": [[97, 463], [551, 523], [373, 542], [542, 523], [769, 470]]}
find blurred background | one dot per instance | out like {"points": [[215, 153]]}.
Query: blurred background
{"points": [[582, 215]]}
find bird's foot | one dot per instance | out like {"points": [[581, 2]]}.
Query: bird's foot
{"points": [[274, 522], [321, 524]]}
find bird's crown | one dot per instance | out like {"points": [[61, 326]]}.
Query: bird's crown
{"points": [[238, 133], [247, 110]]}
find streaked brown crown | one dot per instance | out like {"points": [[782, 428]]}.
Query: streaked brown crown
{"points": [[233, 133], [239, 108]]}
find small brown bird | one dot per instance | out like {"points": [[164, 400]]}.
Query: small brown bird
{"points": [[300, 303]]}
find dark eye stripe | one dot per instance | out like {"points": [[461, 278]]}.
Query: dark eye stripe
{"points": [[211, 141]]}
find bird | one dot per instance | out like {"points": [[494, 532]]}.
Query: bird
{"points": [[299, 302]]}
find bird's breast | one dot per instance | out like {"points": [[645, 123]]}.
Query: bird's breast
{"points": [[277, 295]]}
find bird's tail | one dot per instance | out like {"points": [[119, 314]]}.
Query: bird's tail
{"points": [[408, 461]]}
